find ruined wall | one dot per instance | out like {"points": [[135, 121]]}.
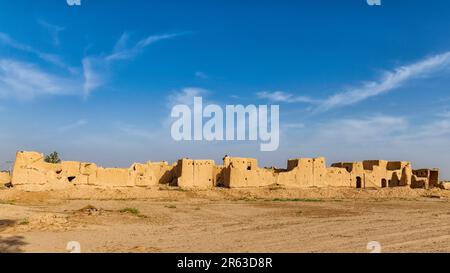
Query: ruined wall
{"points": [[419, 182], [300, 173], [445, 185], [5, 178], [244, 172], [152, 174], [312, 172], [303, 173], [354, 175], [196, 173], [337, 177], [219, 174], [377, 173], [425, 178], [30, 169], [407, 173], [30, 172]]}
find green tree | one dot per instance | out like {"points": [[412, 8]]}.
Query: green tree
{"points": [[52, 158]]}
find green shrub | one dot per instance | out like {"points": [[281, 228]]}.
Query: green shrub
{"points": [[52, 158]]}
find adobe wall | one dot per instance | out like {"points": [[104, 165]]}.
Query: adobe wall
{"points": [[196, 173], [303, 173], [312, 172], [152, 174], [31, 172], [30, 169], [374, 174], [244, 172], [219, 174], [425, 178], [349, 174], [377, 173], [5, 178], [337, 177], [445, 185]]}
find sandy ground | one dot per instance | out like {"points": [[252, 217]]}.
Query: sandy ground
{"points": [[223, 220]]}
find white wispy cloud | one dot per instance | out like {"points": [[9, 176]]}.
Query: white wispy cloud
{"points": [[437, 126], [280, 96], [389, 81], [53, 31], [445, 115], [362, 129], [185, 96], [90, 76], [25, 81], [48, 57], [131, 130], [95, 68], [72, 126], [378, 132], [419, 139], [93, 73], [123, 52]]}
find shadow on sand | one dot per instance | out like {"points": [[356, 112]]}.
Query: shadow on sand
{"points": [[10, 244]]}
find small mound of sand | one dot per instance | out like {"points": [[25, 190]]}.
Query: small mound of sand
{"points": [[90, 210]]}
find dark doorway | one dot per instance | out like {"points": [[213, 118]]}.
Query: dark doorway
{"points": [[383, 183], [358, 182]]}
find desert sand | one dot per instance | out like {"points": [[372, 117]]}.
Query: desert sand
{"points": [[274, 219]]}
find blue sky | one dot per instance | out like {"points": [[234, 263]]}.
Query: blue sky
{"points": [[353, 81]]}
